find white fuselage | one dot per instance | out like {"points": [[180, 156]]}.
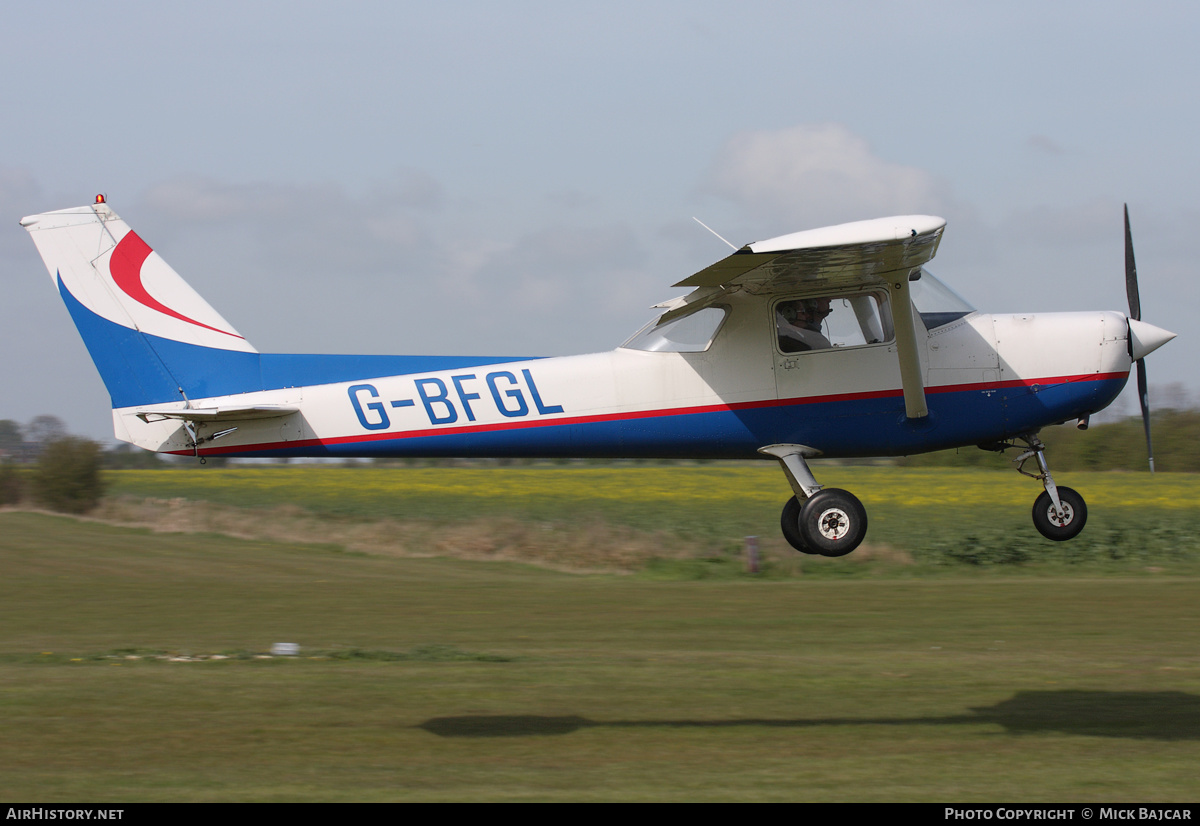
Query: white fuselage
{"points": [[987, 377]]}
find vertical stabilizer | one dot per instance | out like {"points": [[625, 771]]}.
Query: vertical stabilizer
{"points": [[152, 337]]}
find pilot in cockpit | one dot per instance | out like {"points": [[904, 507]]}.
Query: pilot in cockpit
{"points": [[798, 324]]}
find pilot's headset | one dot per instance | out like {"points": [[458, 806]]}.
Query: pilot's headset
{"points": [[812, 306]]}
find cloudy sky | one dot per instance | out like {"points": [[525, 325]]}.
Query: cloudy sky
{"points": [[381, 177]]}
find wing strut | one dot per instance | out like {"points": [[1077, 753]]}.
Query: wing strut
{"points": [[906, 346]]}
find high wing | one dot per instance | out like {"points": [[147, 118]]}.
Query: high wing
{"points": [[843, 255], [883, 251]]}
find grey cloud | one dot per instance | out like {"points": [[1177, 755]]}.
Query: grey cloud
{"points": [[1046, 145], [314, 268], [571, 199], [293, 266], [818, 174], [1094, 222], [556, 277]]}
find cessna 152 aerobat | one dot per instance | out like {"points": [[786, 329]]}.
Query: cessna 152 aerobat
{"points": [[831, 342]]}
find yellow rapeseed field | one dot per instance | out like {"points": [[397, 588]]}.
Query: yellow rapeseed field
{"points": [[981, 515], [683, 486]]}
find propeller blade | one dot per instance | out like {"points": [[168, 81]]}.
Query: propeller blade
{"points": [[1131, 282], [1144, 398], [1154, 336]]}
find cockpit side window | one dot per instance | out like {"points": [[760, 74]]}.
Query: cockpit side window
{"points": [[824, 322]]}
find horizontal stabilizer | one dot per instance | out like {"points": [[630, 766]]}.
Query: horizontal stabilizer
{"points": [[219, 414]]}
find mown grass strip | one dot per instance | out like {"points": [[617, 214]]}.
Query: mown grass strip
{"points": [[613, 688]]}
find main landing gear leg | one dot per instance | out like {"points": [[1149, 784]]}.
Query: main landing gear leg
{"points": [[1059, 512], [823, 521]]}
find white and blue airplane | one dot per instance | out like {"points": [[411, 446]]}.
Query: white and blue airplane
{"points": [[832, 342]]}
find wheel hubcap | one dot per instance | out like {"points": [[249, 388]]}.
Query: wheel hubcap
{"points": [[1060, 519], [834, 524]]}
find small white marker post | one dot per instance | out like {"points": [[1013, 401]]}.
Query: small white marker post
{"points": [[752, 554]]}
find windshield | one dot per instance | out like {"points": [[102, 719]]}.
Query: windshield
{"points": [[937, 303], [686, 334]]}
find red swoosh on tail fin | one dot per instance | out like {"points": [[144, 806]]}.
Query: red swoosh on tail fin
{"points": [[126, 268]]}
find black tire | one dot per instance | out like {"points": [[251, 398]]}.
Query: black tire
{"points": [[833, 522], [789, 523], [1048, 523]]}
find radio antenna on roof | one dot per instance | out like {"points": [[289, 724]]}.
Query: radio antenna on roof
{"points": [[713, 231]]}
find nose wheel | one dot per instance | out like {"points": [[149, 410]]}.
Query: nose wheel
{"points": [[1065, 521]]}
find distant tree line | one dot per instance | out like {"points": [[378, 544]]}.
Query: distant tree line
{"points": [[24, 444]]}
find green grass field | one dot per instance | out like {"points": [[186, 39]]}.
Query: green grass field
{"points": [[443, 679]]}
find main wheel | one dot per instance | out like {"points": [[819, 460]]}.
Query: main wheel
{"points": [[1053, 526], [833, 522], [789, 523]]}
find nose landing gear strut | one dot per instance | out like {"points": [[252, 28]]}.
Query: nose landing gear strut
{"points": [[1059, 513]]}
